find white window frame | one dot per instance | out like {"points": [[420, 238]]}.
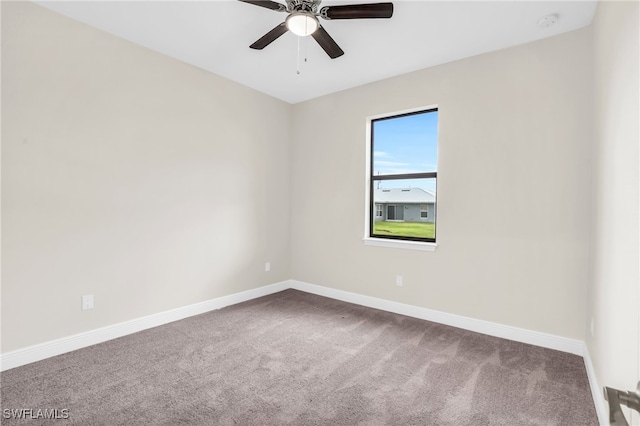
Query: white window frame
{"points": [[383, 242]]}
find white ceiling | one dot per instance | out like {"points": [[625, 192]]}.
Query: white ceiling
{"points": [[215, 36]]}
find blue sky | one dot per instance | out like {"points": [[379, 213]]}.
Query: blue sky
{"points": [[406, 145]]}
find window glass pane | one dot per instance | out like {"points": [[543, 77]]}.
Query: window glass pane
{"points": [[405, 144], [408, 208]]}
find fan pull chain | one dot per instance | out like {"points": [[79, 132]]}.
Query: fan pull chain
{"points": [[298, 58], [306, 23], [305, 50], [298, 70]]}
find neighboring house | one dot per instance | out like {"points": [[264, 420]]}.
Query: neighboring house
{"points": [[405, 205]]}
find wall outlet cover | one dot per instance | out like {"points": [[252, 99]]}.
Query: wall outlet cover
{"points": [[87, 302]]}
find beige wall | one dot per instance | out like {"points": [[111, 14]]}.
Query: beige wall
{"points": [[130, 176], [614, 294], [514, 196]]}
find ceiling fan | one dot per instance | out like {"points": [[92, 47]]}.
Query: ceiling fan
{"points": [[303, 20]]}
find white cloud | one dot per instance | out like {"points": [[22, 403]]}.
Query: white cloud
{"points": [[390, 164], [400, 171], [380, 154]]}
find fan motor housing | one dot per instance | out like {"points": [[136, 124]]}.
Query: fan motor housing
{"points": [[303, 5]]}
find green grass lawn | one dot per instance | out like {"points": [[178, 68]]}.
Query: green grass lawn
{"points": [[405, 229]]}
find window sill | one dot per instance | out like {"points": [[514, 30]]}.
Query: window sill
{"points": [[410, 245]]}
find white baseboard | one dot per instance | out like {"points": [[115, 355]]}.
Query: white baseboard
{"points": [[56, 347], [536, 338], [66, 344], [596, 391]]}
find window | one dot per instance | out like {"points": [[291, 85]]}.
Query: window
{"points": [[402, 176]]}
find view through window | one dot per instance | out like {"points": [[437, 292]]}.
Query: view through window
{"points": [[403, 176]]}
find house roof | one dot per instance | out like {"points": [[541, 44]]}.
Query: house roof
{"points": [[404, 195]]}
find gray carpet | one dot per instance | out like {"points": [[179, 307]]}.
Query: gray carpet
{"points": [[294, 358]]}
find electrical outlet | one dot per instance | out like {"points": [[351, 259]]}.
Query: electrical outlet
{"points": [[267, 266], [399, 281], [87, 302], [592, 327]]}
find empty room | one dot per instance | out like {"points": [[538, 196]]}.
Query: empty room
{"points": [[311, 212]]}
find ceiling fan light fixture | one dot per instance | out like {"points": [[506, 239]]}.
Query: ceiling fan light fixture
{"points": [[302, 23]]}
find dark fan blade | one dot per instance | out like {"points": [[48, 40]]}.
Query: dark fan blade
{"points": [[269, 37], [358, 11], [327, 43], [267, 3]]}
